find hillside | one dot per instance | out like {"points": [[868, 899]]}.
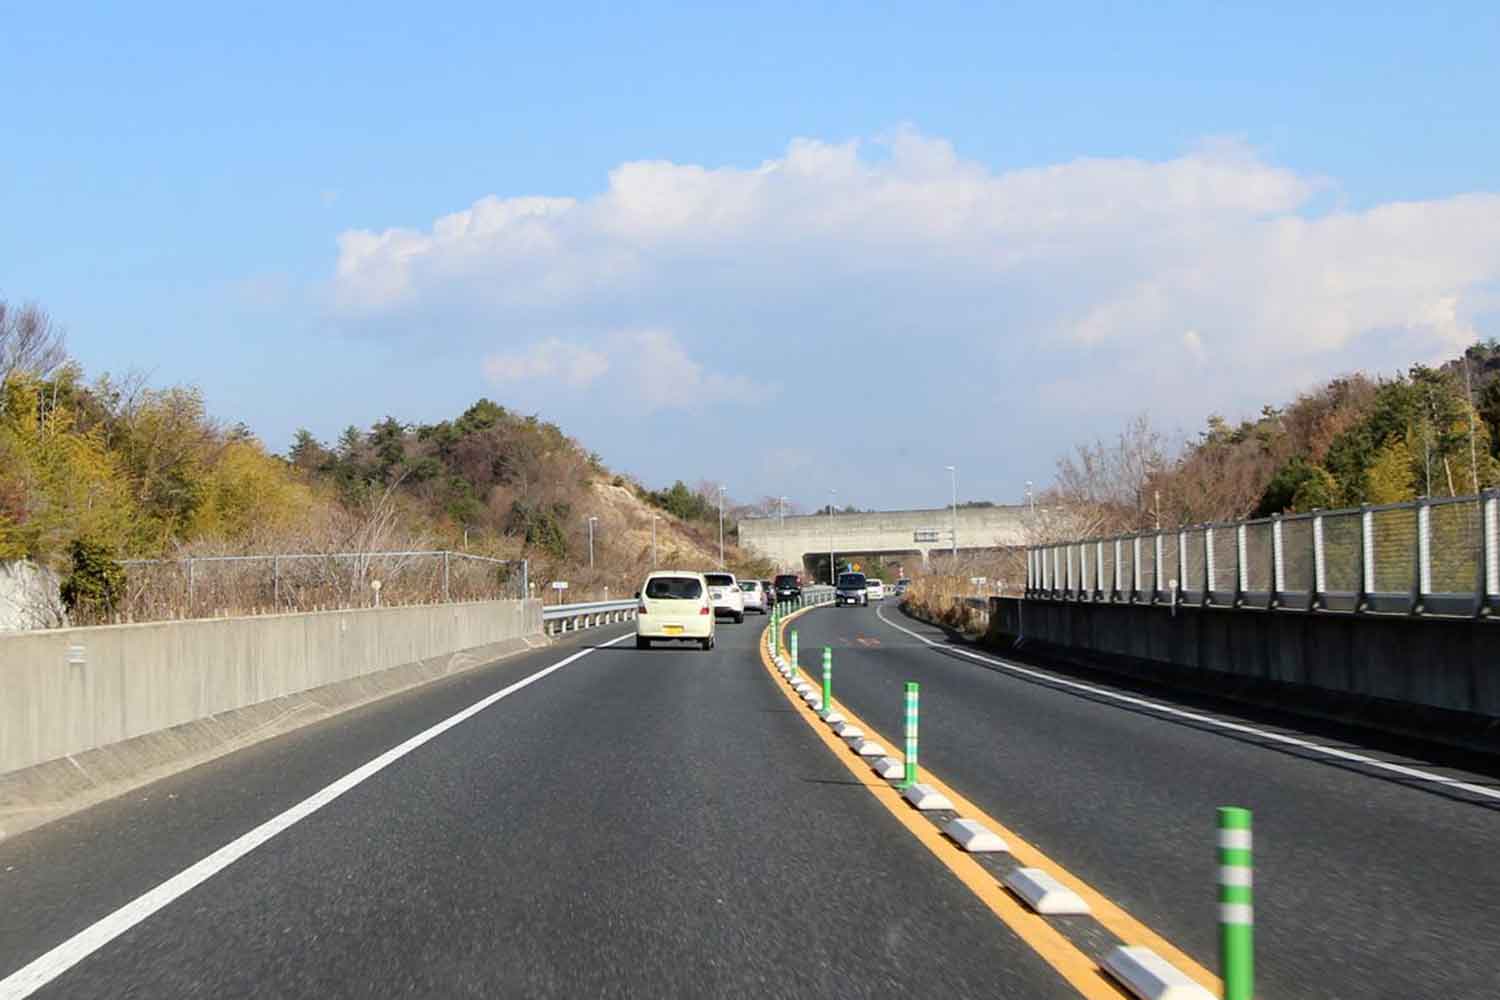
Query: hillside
{"points": [[93, 473], [1355, 440]]}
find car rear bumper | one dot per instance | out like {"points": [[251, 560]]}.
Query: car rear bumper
{"points": [[662, 627]]}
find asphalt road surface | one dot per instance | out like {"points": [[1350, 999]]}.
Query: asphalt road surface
{"points": [[657, 823], [1365, 886]]}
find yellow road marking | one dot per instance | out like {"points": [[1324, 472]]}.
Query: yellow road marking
{"points": [[1082, 972], [1110, 915]]}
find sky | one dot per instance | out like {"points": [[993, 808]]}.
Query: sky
{"points": [[792, 248]]}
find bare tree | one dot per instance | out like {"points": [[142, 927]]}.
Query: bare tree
{"points": [[30, 343], [1107, 485]]}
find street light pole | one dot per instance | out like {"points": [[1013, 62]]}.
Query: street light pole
{"points": [[721, 527], [954, 469], [1030, 498], [654, 519], [781, 506], [831, 570], [591, 543]]}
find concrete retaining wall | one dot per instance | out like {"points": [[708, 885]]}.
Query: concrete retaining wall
{"points": [[67, 691], [1434, 678]]}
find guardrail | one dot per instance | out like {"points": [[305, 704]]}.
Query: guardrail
{"points": [[1423, 557], [560, 618]]}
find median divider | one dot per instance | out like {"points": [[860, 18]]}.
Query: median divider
{"points": [[1038, 889]]}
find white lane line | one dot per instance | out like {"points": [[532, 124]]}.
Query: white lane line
{"points": [[42, 970], [1234, 727]]}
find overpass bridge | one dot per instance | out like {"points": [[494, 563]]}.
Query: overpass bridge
{"points": [[799, 540]]}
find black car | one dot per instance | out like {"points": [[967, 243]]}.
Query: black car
{"points": [[788, 587]]}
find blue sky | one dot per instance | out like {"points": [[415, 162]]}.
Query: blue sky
{"points": [[1015, 226]]}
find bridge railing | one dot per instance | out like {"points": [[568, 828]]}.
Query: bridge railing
{"points": [[1424, 557]]}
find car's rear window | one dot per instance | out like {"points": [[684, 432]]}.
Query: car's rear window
{"points": [[749, 586], [786, 581], [674, 588], [851, 581], [719, 579]]}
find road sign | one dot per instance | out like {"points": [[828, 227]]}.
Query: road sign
{"points": [[978, 581], [559, 584], [926, 535]]}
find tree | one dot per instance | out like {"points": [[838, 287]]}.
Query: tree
{"points": [[307, 452], [1391, 477], [30, 343], [96, 582], [1316, 492]]}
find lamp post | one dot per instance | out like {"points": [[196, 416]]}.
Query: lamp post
{"points": [[591, 543], [954, 469], [1030, 498], [654, 519], [721, 527], [781, 506], [832, 572]]}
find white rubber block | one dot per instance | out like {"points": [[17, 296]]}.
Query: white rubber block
{"points": [[926, 798], [974, 837], [868, 748], [832, 717], [813, 698], [1045, 894], [848, 730], [802, 687], [889, 768], [1149, 976]]}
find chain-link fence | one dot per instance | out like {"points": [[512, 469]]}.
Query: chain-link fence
{"points": [[1434, 557], [210, 586]]}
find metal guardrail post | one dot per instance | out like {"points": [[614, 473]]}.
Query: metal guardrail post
{"points": [[1424, 548], [1135, 568], [1119, 583], [1099, 568], [1182, 564], [1320, 575], [1242, 571], [1156, 586], [1208, 566], [1366, 560], [445, 577], [276, 581], [1489, 549], [1278, 562]]}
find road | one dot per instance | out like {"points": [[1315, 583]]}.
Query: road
{"points": [[1365, 886], [656, 823], [669, 823]]}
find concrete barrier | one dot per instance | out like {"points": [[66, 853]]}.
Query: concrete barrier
{"points": [[1436, 679], [174, 689]]}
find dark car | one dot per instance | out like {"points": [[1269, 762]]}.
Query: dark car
{"points": [[851, 589], [788, 587]]}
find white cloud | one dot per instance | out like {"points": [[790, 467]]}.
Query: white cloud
{"points": [[871, 258], [654, 368], [573, 364]]}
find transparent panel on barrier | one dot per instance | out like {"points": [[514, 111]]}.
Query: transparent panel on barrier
{"points": [[1169, 569], [1341, 552], [1394, 541], [1297, 555], [1454, 543], [1258, 557], [1226, 558], [1192, 574], [1148, 565], [1105, 578]]}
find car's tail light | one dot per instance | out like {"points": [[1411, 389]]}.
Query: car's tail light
{"points": [[641, 610], [703, 610]]}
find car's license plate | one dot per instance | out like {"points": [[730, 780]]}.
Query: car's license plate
{"points": [[673, 630]]}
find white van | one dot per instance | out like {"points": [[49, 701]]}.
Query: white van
{"points": [[674, 604], [725, 593], [874, 588]]}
